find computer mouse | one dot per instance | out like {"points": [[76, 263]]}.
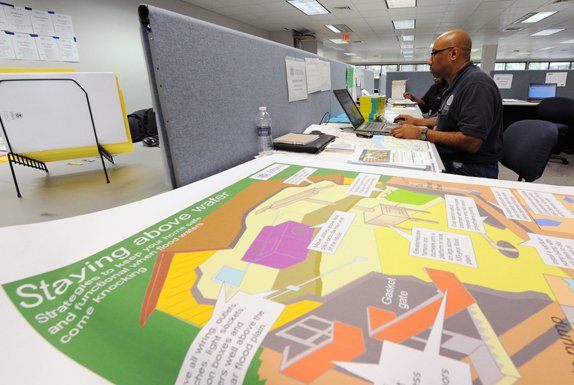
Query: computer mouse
{"points": [[151, 141], [399, 120]]}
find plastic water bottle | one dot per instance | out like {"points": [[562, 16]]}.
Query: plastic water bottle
{"points": [[264, 138]]}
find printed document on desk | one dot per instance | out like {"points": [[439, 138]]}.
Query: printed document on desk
{"points": [[392, 158]]}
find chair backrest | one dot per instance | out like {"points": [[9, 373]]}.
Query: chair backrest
{"points": [[558, 109], [527, 147]]}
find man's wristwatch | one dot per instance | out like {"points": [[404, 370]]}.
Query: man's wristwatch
{"points": [[424, 134]]}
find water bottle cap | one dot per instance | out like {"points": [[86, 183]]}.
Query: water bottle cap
{"points": [[262, 108]]}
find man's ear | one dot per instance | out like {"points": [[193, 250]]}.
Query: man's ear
{"points": [[454, 53]]}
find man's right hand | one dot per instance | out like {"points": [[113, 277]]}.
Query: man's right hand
{"points": [[407, 95], [407, 119]]}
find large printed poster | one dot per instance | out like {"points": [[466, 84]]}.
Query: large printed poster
{"points": [[311, 275]]}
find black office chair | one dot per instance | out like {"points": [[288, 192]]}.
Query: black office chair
{"points": [[560, 111], [527, 147]]}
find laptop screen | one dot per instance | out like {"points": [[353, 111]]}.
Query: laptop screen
{"points": [[541, 90], [349, 107]]}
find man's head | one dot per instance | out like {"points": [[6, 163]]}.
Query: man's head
{"points": [[450, 52]]}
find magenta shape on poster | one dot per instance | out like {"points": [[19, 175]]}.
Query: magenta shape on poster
{"points": [[280, 246]]}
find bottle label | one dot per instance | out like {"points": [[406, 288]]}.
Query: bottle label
{"points": [[263, 131]]}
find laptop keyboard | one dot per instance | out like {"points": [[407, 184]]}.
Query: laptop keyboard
{"points": [[378, 126]]}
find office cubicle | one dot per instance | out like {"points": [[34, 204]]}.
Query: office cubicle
{"points": [[418, 82], [207, 85], [521, 80]]}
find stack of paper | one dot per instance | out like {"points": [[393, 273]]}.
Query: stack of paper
{"points": [[341, 147], [371, 105]]}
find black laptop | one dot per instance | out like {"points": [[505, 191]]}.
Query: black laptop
{"points": [[539, 91], [356, 118]]}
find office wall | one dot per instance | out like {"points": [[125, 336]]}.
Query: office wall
{"points": [[108, 39]]}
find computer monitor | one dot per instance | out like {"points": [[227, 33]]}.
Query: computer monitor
{"points": [[539, 91]]}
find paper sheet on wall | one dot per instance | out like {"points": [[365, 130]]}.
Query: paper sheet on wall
{"points": [[6, 47], [325, 75], [296, 78], [18, 19], [556, 77], [42, 23], [313, 69], [503, 81], [48, 48], [68, 50], [25, 47], [350, 77], [63, 25], [3, 22]]}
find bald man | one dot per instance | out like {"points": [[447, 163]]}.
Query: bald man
{"points": [[468, 130]]}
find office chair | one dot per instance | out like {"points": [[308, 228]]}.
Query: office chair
{"points": [[560, 111], [527, 147]]}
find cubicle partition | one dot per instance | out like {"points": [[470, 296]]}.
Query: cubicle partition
{"points": [[521, 80], [207, 85], [418, 82]]}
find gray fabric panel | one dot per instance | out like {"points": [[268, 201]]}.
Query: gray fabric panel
{"points": [[209, 83], [521, 80], [418, 82]]}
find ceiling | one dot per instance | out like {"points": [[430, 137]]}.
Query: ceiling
{"points": [[374, 40]]}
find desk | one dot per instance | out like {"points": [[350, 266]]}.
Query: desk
{"points": [[393, 253], [514, 110], [345, 134]]}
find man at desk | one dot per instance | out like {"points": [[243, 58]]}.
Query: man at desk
{"points": [[430, 102], [468, 130]]}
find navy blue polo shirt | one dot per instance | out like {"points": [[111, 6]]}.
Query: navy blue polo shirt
{"points": [[472, 104]]}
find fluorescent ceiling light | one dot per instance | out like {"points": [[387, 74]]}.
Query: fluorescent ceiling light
{"points": [[309, 7], [404, 24], [408, 37], [535, 18], [332, 28], [545, 48], [567, 42], [349, 53], [401, 3], [339, 41], [547, 32], [407, 46], [407, 52]]}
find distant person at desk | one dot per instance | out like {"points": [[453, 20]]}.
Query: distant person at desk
{"points": [[468, 129], [430, 102]]}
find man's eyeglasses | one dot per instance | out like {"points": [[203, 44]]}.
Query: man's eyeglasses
{"points": [[439, 50]]}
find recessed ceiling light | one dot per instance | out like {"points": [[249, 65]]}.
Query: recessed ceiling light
{"points": [[339, 41], [407, 52], [547, 32], [408, 37], [309, 7], [536, 17], [350, 53], [339, 28], [406, 56], [407, 45], [401, 3], [404, 24], [332, 28]]}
